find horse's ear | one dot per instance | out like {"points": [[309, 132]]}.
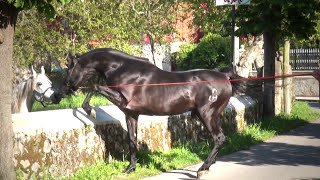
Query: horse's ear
{"points": [[42, 70], [75, 60], [69, 57], [34, 73], [72, 60]]}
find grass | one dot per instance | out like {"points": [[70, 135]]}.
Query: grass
{"points": [[148, 164], [71, 102], [151, 163]]}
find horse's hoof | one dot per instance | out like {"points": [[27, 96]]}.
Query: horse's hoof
{"points": [[93, 114], [200, 174], [129, 169]]}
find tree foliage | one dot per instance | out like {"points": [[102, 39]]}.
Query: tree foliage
{"points": [[211, 18], [154, 17], [101, 23], [81, 26], [43, 6], [312, 42], [106, 23], [285, 18], [34, 39]]}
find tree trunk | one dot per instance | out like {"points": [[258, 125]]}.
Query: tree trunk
{"points": [[269, 70], [8, 16]]}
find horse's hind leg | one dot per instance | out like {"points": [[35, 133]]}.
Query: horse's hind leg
{"points": [[209, 117], [86, 105], [219, 138]]}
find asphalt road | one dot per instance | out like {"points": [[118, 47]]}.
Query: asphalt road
{"points": [[292, 156]]}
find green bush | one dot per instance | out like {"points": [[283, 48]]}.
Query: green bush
{"points": [[213, 51]]}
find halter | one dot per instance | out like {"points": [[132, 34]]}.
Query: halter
{"points": [[42, 97]]}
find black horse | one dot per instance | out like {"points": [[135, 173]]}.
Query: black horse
{"points": [[149, 96]]}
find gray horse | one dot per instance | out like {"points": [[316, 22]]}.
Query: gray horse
{"points": [[38, 87]]}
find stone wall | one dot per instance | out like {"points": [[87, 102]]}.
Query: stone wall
{"points": [[306, 86], [61, 141]]}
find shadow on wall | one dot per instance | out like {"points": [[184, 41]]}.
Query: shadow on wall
{"points": [[113, 134], [185, 128]]}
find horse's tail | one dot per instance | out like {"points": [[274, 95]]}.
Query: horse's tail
{"points": [[241, 87]]}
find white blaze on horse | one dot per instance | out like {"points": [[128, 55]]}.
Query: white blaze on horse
{"points": [[38, 87]]}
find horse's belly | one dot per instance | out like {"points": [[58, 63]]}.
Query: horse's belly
{"points": [[161, 108]]}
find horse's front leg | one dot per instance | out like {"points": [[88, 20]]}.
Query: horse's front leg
{"points": [[113, 96], [131, 118], [86, 105], [132, 122]]}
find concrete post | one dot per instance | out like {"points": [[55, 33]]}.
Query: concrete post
{"points": [[287, 83]]}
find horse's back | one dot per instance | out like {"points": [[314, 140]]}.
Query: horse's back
{"points": [[110, 53]]}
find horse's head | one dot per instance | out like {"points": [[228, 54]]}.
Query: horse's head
{"points": [[42, 87], [74, 77]]}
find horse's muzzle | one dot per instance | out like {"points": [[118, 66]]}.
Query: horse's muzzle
{"points": [[56, 98], [62, 93]]}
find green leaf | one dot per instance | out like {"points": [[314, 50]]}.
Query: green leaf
{"points": [[19, 3]]}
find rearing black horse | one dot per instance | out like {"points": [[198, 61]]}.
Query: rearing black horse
{"points": [[206, 100]]}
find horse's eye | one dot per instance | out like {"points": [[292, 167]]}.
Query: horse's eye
{"points": [[39, 83]]}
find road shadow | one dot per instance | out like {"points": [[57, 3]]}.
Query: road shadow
{"points": [[311, 130], [278, 153], [315, 105]]}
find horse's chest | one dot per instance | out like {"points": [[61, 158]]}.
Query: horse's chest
{"points": [[23, 106]]}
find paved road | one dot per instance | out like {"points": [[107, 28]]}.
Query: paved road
{"points": [[292, 156]]}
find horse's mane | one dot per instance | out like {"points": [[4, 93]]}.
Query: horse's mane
{"points": [[20, 93], [115, 52]]}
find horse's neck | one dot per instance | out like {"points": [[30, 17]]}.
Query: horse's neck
{"points": [[26, 104], [30, 101], [23, 97]]}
